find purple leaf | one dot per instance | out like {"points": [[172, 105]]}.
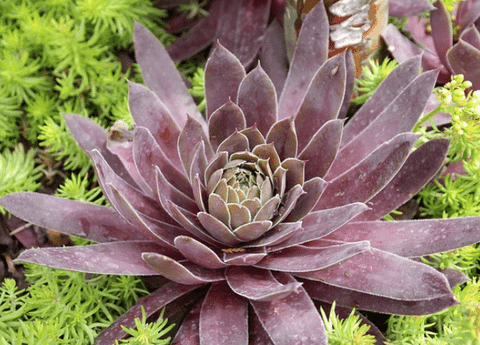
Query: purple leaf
{"points": [[322, 149], [284, 138], [123, 149], [152, 303], [257, 284], [413, 238], [148, 111], [295, 169], [242, 26], [223, 74], [149, 228], [321, 223], [190, 136], [310, 53], [276, 235], [454, 277], [96, 223], [157, 67], [465, 59], [267, 151], [165, 191], [468, 13], [190, 223], [200, 36], [306, 259], [216, 165], [350, 73], [217, 229], [258, 100], [199, 193], [401, 47], [223, 317], [199, 163], [388, 90], [148, 154], [313, 189], [377, 273], [198, 253], [273, 55], [182, 272], [253, 230], [367, 178], [258, 335], [188, 333], [441, 31], [367, 301], [90, 136], [471, 36], [400, 116], [419, 168], [288, 203], [236, 142], [106, 258], [254, 136], [408, 8], [323, 99], [139, 201], [293, 319], [224, 121]]}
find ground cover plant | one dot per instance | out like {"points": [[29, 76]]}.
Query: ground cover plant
{"points": [[446, 327]]}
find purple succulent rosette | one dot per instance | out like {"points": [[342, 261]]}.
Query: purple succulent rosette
{"points": [[437, 48], [267, 205]]}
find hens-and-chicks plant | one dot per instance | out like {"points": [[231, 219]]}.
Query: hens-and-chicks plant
{"points": [[269, 204]]}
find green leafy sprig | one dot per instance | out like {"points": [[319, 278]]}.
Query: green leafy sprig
{"points": [[373, 73], [148, 333], [18, 172], [64, 307], [347, 331], [456, 325]]}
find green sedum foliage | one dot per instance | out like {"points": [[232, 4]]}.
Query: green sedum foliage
{"points": [[18, 172], [63, 307], [373, 73], [347, 331], [456, 325], [61, 56]]}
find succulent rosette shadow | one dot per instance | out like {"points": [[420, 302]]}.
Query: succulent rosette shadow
{"points": [[265, 206]]}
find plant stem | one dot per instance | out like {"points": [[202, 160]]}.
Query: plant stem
{"points": [[427, 117]]}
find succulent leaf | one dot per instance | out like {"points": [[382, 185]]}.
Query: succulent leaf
{"points": [[145, 106], [156, 67], [291, 319], [257, 284], [425, 162], [258, 100], [463, 57], [309, 55], [430, 236], [225, 323], [94, 222], [407, 8], [220, 87], [390, 88], [322, 100], [376, 272], [441, 31], [105, 258]]}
